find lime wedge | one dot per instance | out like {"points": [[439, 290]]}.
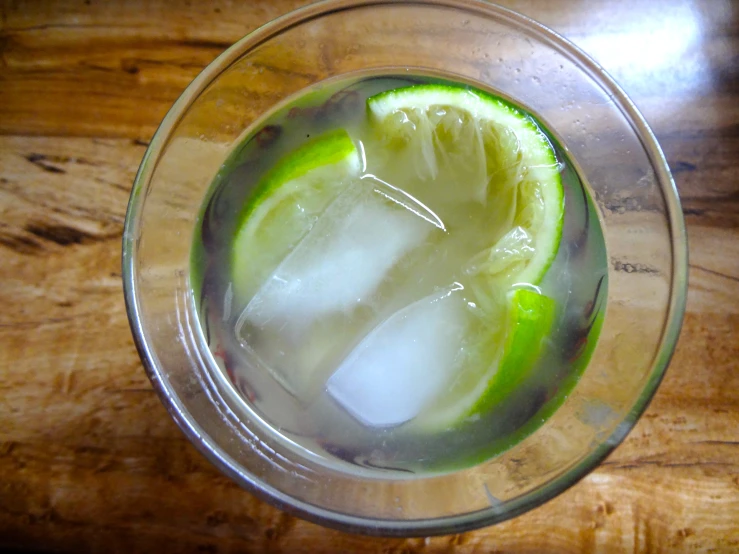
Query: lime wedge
{"points": [[285, 205], [495, 155], [489, 151]]}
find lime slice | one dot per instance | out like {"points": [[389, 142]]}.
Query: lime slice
{"points": [[285, 205], [493, 371], [493, 153]]}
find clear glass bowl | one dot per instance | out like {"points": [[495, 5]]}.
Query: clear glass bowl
{"points": [[597, 124]]}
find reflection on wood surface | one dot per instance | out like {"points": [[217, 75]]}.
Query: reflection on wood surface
{"points": [[89, 458]]}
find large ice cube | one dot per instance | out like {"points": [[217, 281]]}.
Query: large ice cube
{"points": [[404, 363], [305, 314]]}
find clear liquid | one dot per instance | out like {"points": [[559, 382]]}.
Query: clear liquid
{"points": [[303, 413]]}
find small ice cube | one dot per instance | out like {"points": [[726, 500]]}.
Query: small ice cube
{"points": [[296, 320], [341, 261], [404, 363]]}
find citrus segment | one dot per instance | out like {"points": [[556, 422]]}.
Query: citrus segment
{"points": [[285, 205]]}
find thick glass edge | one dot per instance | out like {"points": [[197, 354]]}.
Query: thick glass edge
{"points": [[439, 526]]}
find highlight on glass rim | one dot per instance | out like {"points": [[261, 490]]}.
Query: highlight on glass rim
{"points": [[401, 275]]}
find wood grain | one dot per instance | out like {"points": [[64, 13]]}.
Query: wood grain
{"points": [[89, 459]]}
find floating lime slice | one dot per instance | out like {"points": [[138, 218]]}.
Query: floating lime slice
{"points": [[496, 155], [286, 204]]}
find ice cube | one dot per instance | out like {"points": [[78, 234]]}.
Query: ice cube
{"points": [[303, 313], [404, 363]]}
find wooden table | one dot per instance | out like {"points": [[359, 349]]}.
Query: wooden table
{"points": [[90, 460]]}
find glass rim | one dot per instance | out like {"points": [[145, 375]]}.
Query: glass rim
{"points": [[419, 527]]}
